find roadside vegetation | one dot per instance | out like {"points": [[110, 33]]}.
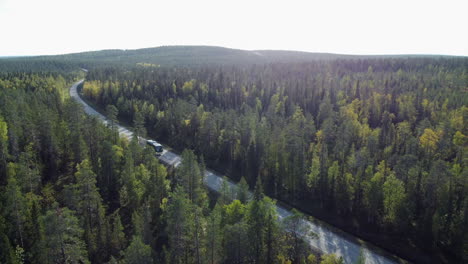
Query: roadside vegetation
{"points": [[376, 146], [73, 192]]}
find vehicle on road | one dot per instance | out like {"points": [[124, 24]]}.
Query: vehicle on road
{"points": [[157, 147]]}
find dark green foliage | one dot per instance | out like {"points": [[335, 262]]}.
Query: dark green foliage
{"points": [[190, 176], [360, 138], [214, 236], [153, 58], [61, 175], [180, 225], [112, 112], [118, 241], [7, 254], [63, 237], [3, 150], [297, 248], [379, 142], [243, 191], [138, 252], [139, 125], [15, 210], [34, 232]]}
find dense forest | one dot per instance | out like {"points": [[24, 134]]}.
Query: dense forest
{"points": [[172, 56], [376, 146], [159, 56], [72, 191]]}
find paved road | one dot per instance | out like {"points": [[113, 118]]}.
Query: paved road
{"points": [[328, 241]]}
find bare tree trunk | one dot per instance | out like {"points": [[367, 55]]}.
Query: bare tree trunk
{"points": [[18, 222], [197, 241]]}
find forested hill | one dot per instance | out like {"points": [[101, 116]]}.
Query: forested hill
{"points": [[196, 55], [172, 56]]}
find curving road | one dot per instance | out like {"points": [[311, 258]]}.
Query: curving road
{"points": [[328, 241]]}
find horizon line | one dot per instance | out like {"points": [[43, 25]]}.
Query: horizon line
{"points": [[252, 50]]}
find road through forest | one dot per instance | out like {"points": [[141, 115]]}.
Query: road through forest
{"points": [[328, 240]]}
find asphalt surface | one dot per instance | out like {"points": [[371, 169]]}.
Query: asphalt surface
{"points": [[328, 241]]}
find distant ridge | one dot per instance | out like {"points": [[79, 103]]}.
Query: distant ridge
{"points": [[196, 55], [185, 56]]}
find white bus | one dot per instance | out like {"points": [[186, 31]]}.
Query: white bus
{"points": [[157, 147]]}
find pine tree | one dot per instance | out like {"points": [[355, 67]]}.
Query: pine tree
{"points": [[84, 197], [138, 252], [190, 177], [180, 222], [393, 199], [214, 235], [295, 229], [28, 170], [272, 231], [15, 208], [118, 236], [198, 234], [3, 151], [225, 194], [242, 190], [235, 243], [63, 233], [139, 125], [34, 231], [7, 254], [256, 218], [89, 201], [112, 113]]}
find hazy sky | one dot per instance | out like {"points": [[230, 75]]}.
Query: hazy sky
{"points": [[31, 27]]}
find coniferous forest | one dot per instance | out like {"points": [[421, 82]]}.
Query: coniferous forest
{"points": [[376, 146]]}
